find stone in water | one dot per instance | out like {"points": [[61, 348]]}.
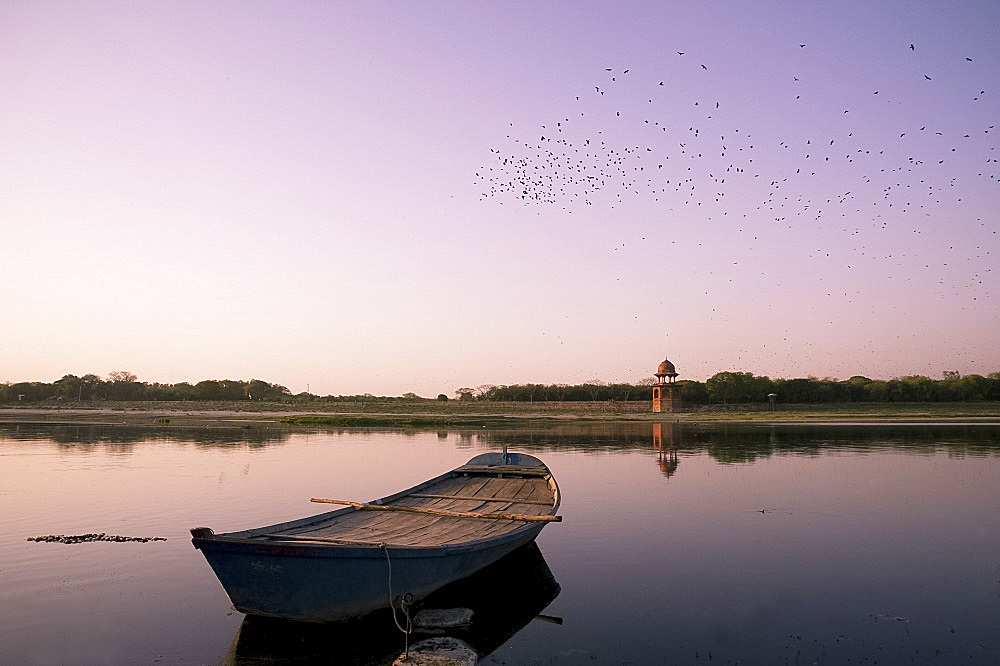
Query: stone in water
{"points": [[439, 651], [443, 618]]}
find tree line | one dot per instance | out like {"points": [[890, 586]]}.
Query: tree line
{"points": [[124, 385], [745, 388], [721, 388]]}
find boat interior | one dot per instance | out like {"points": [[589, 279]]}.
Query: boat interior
{"points": [[419, 517]]}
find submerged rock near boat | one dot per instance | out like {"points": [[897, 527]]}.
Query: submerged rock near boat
{"points": [[396, 550]]}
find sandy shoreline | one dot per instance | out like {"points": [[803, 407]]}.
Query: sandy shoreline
{"points": [[205, 417], [429, 415]]}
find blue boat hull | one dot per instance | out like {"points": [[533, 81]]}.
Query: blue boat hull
{"points": [[323, 584]]}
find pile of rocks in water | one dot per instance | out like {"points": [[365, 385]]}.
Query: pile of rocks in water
{"points": [[84, 538], [440, 650]]}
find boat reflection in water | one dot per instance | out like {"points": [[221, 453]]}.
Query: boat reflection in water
{"points": [[666, 438], [504, 597]]}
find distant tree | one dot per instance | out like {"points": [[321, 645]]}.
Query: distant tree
{"points": [[912, 388], [29, 392], [692, 392], [726, 387], [622, 391], [257, 389], [92, 385], [877, 390], [69, 387], [973, 387], [993, 386], [278, 392], [442, 397], [855, 388], [594, 387], [498, 393], [122, 385], [209, 389], [464, 393], [180, 391], [798, 390], [121, 377], [535, 392]]}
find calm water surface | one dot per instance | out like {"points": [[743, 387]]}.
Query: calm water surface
{"points": [[700, 545]]}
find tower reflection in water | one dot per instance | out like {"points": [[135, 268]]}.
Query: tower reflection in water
{"points": [[504, 597], [666, 439]]}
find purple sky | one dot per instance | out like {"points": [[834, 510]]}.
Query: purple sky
{"points": [[315, 194]]}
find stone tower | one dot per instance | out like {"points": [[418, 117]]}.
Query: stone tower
{"points": [[666, 395]]}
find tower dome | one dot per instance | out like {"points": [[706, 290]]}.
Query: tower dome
{"points": [[666, 369]]}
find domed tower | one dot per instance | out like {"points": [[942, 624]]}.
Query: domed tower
{"points": [[666, 395]]}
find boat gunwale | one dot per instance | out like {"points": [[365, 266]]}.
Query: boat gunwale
{"points": [[320, 550]]}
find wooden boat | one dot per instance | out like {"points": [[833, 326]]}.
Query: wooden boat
{"points": [[349, 562]]}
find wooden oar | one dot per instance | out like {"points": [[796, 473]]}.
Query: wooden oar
{"points": [[440, 512], [505, 469]]}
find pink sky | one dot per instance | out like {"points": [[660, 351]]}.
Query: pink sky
{"points": [[289, 191]]}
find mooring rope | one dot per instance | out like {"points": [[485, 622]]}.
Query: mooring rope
{"points": [[404, 605]]}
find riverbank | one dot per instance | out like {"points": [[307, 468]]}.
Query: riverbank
{"points": [[431, 413]]}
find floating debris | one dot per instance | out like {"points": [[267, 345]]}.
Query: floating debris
{"points": [[439, 651], [891, 618], [84, 538]]}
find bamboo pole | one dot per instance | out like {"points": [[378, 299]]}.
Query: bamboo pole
{"points": [[504, 469], [480, 499], [441, 512]]}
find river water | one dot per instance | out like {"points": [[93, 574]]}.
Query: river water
{"points": [[679, 544]]}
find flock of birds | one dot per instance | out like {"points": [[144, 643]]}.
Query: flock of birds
{"points": [[862, 165], [696, 156], [698, 162]]}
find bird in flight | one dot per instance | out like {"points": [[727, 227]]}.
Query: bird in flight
{"points": [[911, 47], [703, 67], [927, 77]]}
